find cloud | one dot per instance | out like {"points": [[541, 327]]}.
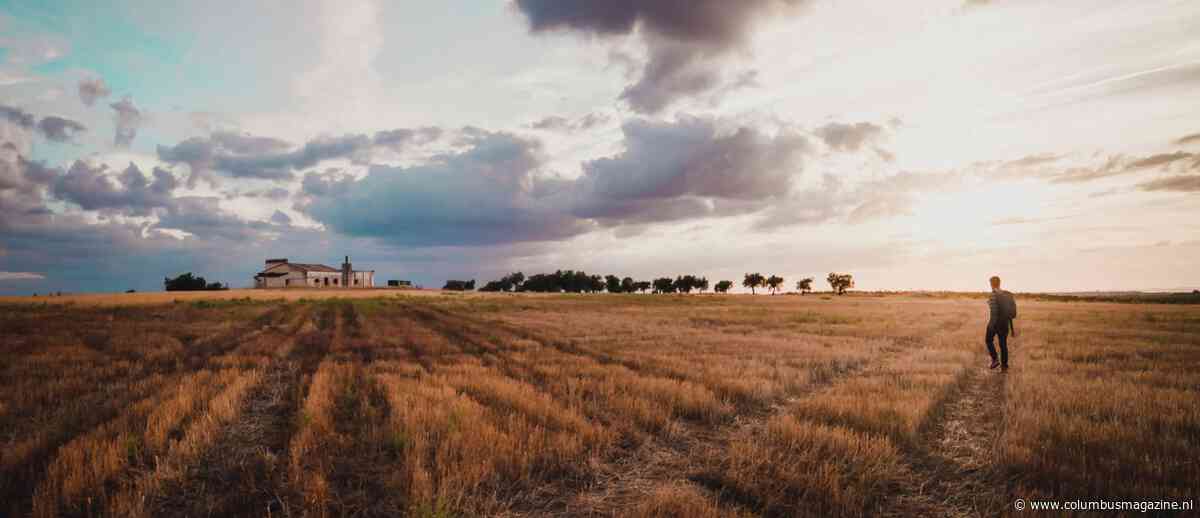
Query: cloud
{"points": [[849, 137], [128, 119], [17, 116], [1187, 140], [92, 188], [1122, 165], [332, 182], [1181, 183], [53, 128], [482, 195], [684, 40], [91, 89], [59, 129], [400, 139], [20, 276], [22, 188], [689, 168], [203, 217], [562, 124], [246, 156]]}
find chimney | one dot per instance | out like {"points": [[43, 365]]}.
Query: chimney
{"points": [[346, 272]]}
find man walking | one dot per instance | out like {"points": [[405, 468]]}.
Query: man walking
{"points": [[1003, 309]]}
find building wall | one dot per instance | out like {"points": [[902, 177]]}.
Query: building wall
{"points": [[324, 279]]}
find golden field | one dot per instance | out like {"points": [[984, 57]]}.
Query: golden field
{"points": [[421, 403]]}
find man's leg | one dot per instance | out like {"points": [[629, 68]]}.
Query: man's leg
{"points": [[1003, 335], [989, 339]]}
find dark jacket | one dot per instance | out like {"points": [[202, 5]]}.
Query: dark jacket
{"points": [[1002, 308]]}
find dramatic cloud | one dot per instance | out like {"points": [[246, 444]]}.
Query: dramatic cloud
{"points": [[683, 39], [483, 195], [496, 191], [688, 168], [59, 129], [849, 137], [1182, 183], [92, 188], [91, 89], [127, 119]]}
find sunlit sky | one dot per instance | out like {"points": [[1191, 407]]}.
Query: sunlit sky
{"points": [[915, 145]]}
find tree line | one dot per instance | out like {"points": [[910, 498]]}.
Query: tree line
{"points": [[572, 281]]}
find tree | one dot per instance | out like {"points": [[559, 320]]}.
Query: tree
{"points": [[612, 283], [188, 282], [686, 283], [840, 282], [804, 285], [753, 280], [642, 286], [627, 285], [453, 285], [701, 284], [723, 286], [774, 282], [664, 285]]}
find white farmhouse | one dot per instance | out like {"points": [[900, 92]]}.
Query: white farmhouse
{"points": [[279, 273]]}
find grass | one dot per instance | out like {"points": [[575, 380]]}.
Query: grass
{"points": [[402, 404]]}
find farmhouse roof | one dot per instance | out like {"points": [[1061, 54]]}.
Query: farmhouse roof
{"points": [[296, 266], [315, 267]]}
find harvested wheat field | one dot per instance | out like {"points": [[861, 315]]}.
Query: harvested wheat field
{"points": [[601, 405]]}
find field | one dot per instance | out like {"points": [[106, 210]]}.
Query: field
{"points": [[436, 405]]}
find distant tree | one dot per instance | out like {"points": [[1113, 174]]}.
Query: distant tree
{"points": [[840, 282], [701, 284], [642, 286], [723, 286], [542, 283], [804, 285], [455, 285], [185, 282], [685, 283], [216, 286], [493, 286], [753, 280], [664, 285], [627, 285], [774, 282], [612, 283]]}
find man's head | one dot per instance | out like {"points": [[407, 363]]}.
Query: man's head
{"points": [[995, 282]]}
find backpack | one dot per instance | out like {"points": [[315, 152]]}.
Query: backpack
{"points": [[1008, 304]]}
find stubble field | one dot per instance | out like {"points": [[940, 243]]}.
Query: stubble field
{"points": [[418, 404]]}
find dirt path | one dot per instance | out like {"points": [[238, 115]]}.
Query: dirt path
{"points": [[954, 467]]}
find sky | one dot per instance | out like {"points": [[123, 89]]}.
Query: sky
{"points": [[916, 145]]}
